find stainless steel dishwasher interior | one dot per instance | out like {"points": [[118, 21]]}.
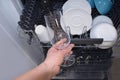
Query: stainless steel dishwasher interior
{"points": [[97, 67]]}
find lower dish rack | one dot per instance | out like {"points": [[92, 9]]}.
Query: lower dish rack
{"points": [[88, 66], [87, 71]]}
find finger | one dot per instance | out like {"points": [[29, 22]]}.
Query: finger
{"points": [[68, 49], [54, 47], [51, 49], [71, 52], [60, 42]]}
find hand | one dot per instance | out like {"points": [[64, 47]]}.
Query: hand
{"points": [[55, 57], [51, 66]]}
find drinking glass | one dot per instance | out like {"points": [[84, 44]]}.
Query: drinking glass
{"points": [[53, 22], [61, 35]]}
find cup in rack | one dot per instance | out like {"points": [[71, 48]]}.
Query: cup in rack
{"points": [[43, 34], [91, 2], [104, 6]]}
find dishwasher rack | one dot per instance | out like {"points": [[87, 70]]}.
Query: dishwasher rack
{"points": [[33, 14], [90, 61]]}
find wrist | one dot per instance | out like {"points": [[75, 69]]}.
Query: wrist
{"points": [[51, 68], [47, 69]]}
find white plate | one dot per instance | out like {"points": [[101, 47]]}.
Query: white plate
{"points": [[102, 19], [105, 31], [77, 19], [76, 4]]}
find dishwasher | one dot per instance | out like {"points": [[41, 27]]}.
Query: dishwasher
{"points": [[90, 62]]}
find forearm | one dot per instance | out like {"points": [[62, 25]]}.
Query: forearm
{"points": [[38, 73], [51, 66]]}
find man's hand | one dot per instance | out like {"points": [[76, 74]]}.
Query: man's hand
{"points": [[55, 57], [51, 66]]}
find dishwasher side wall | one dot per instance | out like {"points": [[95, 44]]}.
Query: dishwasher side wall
{"points": [[16, 55]]}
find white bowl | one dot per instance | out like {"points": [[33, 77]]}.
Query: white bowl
{"points": [[76, 4], [102, 19], [76, 19], [105, 31]]}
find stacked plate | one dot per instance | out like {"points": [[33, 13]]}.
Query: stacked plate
{"points": [[76, 15], [103, 28], [76, 4]]}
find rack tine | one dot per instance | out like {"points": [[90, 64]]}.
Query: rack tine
{"points": [[84, 34], [118, 41]]}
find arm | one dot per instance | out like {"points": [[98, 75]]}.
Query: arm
{"points": [[51, 66], [39, 73]]}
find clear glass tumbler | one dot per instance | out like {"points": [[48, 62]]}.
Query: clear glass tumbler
{"points": [[53, 22]]}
